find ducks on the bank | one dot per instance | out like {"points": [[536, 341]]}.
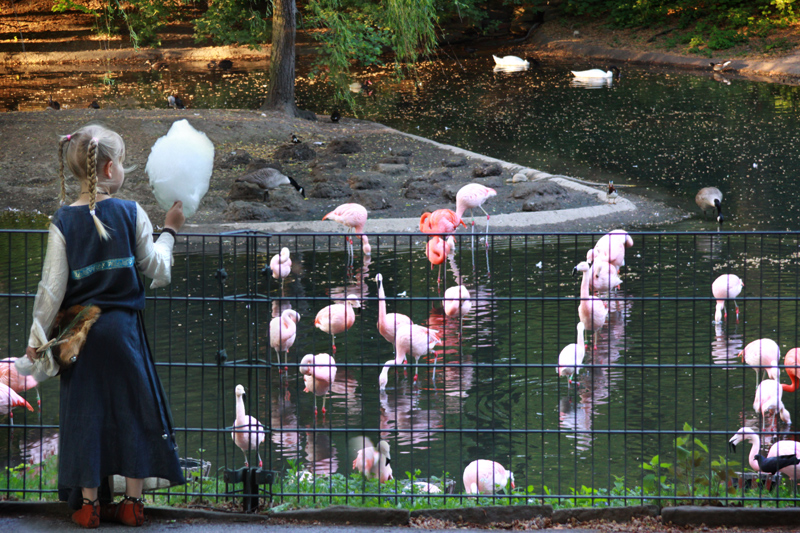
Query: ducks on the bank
{"points": [[720, 67]]}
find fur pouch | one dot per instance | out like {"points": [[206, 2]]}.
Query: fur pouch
{"points": [[70, 332]]}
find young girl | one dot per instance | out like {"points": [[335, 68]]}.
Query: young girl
{"points": [[114, 417]]}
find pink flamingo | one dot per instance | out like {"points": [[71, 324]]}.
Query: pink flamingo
{"points": [[779, 449], [592, 311], [441, 222], [471, 196], [768, 398], [319, 371], [604, 276], [726, 287], [18, 383], [354, 216], [571, 357], [9, 400], [388, 323], [486, 477], [248, 433], [456, 301], [790, 363], [373, 462], [611, 246], [414, 340], [281, 265], [336, 318], [763, 353], [283, 332]]}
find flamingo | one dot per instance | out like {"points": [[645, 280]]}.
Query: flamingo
{"points": [[283, 332], [781, 448], [611, 246], [319, 372], [471, 196], [248, 433], [337, 318], [486, 477], [763, 353], [571, 357], [414, 340], [354, 216], [768, 398], [604, 276], [18, 383], [456, 301], [388, 323], [9, 400], [790, 363], [726, 287], [373, 462], [281, 265], [441, 222], [592, 311]]}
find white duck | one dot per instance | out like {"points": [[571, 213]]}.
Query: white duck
{"points": [[597, 73], [510, 61]]}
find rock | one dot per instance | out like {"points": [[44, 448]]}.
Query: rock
{"points": [[215, 203], [329, 162], [454, 162], [431, 176], [450, 190], [285, 199], [249, 192], [484, 170], [517, 178], [321, 175], [344, 146], [390, 169], [243, 211], [417, 190], [372, 200], [258, 164], [238, 158], [366, 180], [547, 195], [400, 153], [329, 189], [539, 188], [296, 152], [305, 114], [395, 160]]}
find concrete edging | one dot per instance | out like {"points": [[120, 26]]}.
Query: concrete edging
{"points": [[730, 516]]}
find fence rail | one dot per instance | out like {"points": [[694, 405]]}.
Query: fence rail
{"points": [[647, 416]]}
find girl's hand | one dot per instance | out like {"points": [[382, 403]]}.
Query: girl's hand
{"points": [[175, 218], [31, 353]]}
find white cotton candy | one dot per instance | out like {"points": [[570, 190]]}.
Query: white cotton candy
{"points": [[179, 167]]}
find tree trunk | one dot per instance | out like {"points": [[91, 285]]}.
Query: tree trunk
{"points": [[280, 90]]}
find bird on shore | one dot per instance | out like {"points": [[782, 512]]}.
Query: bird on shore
{"points": [[610, 72], [486, 477], [335, 116], [157, 65], [269, 179], [780, 449], [710, 197], [726, 287], [248, 433], [720, 67], [175, 102], [319, 371], [612, 193], [571, 357], [52, 104], [295, 139]]}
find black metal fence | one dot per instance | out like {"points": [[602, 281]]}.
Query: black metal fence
{"points": [[648, 416]]}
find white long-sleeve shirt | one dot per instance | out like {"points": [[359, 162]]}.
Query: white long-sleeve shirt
{"points": [[153, 259]]}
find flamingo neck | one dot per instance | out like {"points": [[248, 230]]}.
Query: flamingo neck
{"points": [[755, 447], [240, 415], [718, 313], [794, 385], [585, 284]]}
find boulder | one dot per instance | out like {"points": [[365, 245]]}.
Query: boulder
{"points": [[366, 181], [296, 152], [394, 160], [237, 158], [344, 145], [484, 170], [390, 169], [329, 162], [329, 189], [454, 162], [240, 211], [372, 200]]}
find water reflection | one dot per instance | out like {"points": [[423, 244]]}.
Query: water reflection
{"points": [[726, 346], [591, 83]]}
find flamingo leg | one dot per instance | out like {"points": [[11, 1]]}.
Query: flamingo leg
{"points": [[278, 353], [246, 462], [737, 311], [260, 462], [323, 404], [487, 224]]}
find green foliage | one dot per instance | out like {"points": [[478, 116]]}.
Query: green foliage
{"points": [[235, 22], [141, 19], [22, 480]]}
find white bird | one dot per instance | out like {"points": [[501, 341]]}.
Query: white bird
{"points": [[283, 332], [486, 477], [571, 357], [510, 61], [374, 462], [180, 166], [719, 67], [769, 397], [726, 287], [456, 301], [248, 433], [319, 372], [763, 354], [281, 265], [596, 73], [781, 448], [592, 311], [710, 197]]}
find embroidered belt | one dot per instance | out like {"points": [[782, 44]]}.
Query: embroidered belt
{"points": [[108, 264]]}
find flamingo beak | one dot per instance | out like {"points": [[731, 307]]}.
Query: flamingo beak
{"points": [[574, 271], [732, 446]]}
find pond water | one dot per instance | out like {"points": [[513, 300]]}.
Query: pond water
{"points": [[493, 392]]}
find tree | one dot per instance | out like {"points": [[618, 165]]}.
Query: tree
{"points": [[280, 90]]}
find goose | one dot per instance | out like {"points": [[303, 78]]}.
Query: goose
{"points": [[53, 104], [175, 102], [268, 179], [597, 73], [93, 105], [225, 64], [510, 61], [710, 197], [720, 67], [158, 65], [335, 116]]}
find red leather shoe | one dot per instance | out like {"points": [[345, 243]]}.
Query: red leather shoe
{"points": [[131, 512], [87, 516]]}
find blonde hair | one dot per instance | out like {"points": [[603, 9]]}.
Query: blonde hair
{"points": [[88, 150]]}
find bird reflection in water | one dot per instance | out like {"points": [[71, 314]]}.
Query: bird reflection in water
{"points": [[726, 346], [284, 429], [37, 451], [321, 458], [402, 418]]}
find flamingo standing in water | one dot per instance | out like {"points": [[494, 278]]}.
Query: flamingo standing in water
{"points": [[780, 449], [592, 311], [281, 265], [438, 250], [283, 332], [410, 339], [769, 394], [18, 383], [9, 400], [354, 216], [611, 246], [456, 301], [763, 353], [248, 433], [374, 463], [486, 477], [790, 363], [726, 287], [388, 323], [319, 372], [441, 222], [604, 276], [337, 318], [571, 357], [471, 196]]}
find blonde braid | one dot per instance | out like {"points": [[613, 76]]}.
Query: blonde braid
{"points": [[91, 172], [62, 196]]}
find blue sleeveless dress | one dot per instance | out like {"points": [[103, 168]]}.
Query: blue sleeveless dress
{"points": [[114, 416]]}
